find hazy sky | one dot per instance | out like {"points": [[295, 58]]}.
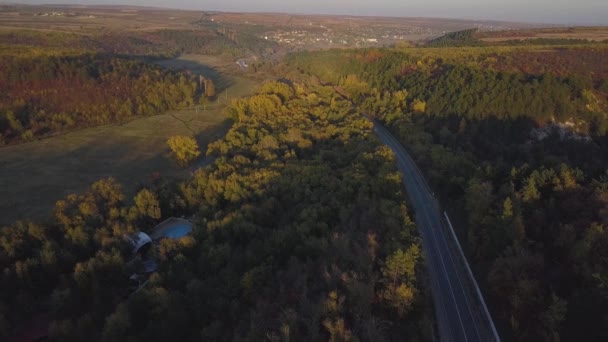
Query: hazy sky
{"points": [[593, 12]]}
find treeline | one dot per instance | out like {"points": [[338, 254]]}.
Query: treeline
{"points": [[471, 38], [160, 43], [532, 211], [46, 95], [379, 68], [108, 43], [301, 234], [456, 39]]}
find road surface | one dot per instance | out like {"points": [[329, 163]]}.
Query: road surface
{"points": [[460, 314]]}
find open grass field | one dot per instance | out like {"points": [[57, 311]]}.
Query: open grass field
{"points": [[35, 175]]}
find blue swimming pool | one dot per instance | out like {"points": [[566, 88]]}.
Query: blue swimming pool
{"points": [[177, 231]]}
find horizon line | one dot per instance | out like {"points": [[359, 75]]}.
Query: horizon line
{"points": [[315, 13]]}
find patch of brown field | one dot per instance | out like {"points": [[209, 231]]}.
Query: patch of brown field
{"points": [[579, 61], [583, 33], [13, 28], [105, 19]]}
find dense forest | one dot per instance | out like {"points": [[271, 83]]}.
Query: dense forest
{"points": [[44, 95], [476, 94], [301, 234], [449, 87], [519, 159]]}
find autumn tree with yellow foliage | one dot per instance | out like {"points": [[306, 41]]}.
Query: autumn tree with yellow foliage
{"points": [[184, 148]]}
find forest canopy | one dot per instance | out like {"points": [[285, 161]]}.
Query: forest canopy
{"points": [[518, 159], [300, 228], [301, 232]]}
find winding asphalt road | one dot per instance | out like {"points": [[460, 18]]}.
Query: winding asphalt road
{"points": [[459, 313]]}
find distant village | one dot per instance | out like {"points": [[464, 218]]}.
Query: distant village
{"points": [[63, 14], [368, 37]]}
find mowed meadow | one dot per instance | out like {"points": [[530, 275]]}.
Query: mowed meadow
{"points": [[34, 175]]}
